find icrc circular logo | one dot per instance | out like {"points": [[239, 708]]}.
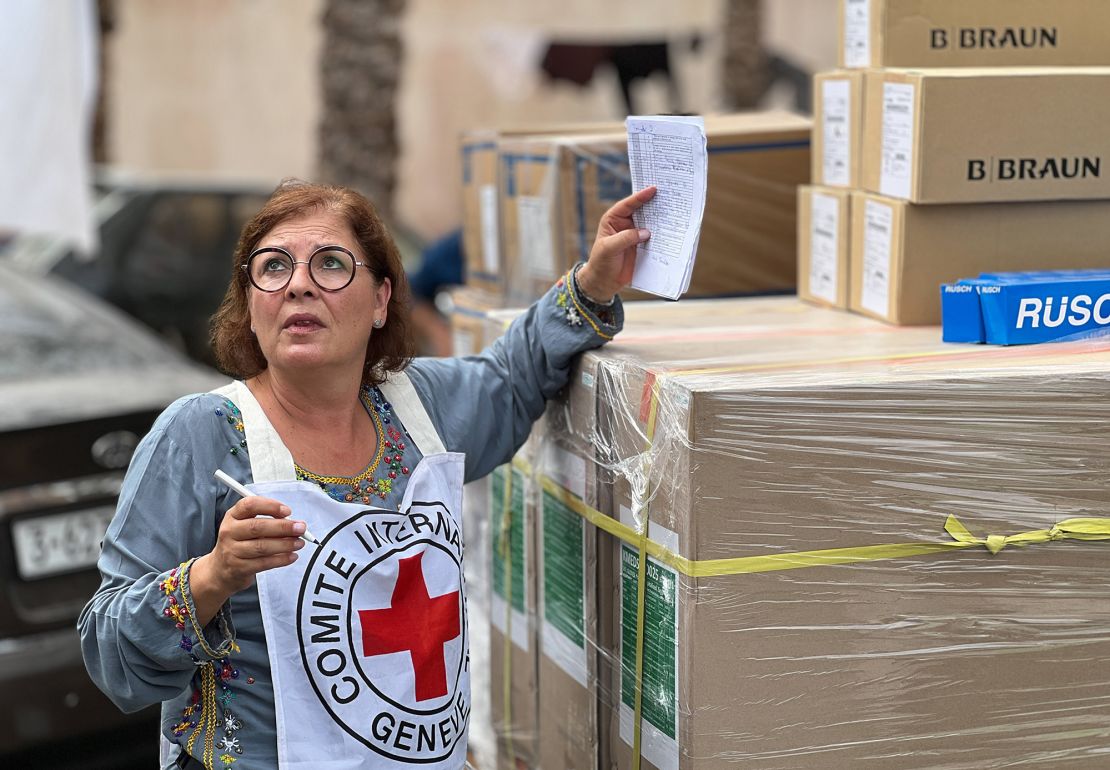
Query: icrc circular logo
{"points": [[381, 620]]}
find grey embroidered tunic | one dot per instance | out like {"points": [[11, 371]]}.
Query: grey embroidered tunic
{"points": [[139, 639]]}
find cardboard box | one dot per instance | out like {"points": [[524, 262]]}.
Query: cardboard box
{"points": [[481, 245], [837, 127], [824, 227], [472, 311], [573, 678], [747, 244], [979, 135], [485, 267], [841, 433], [973, 33], [902, 253], [568, 615]]}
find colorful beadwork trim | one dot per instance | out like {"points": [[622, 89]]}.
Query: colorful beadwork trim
{"points": [[567, 299], [210, 705], [234, 418], [389, 460]]}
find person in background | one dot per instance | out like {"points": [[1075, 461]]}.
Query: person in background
{"points": [[442, 266], [315, 329]]}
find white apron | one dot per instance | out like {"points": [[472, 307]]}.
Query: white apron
{"points": [[367, 632]]}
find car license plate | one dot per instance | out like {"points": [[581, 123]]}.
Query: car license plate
{"points": [[61, 542]]}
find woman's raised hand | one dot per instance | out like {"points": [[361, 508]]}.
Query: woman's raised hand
{"points": [[613, 256]]}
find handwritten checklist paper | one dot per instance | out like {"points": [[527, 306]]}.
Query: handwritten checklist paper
{"points": [[670, 153]]}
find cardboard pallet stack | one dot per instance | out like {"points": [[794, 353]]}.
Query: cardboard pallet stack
{"points": [[959, 137], [533, 199], [806, 599]]}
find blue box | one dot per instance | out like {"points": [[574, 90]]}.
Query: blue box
{"points": [[1046, 309], [961, 317]]}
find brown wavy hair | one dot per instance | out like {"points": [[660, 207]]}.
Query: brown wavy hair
{"points": [[389, 349]]}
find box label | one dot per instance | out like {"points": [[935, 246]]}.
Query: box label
{"points": [[535, 228], [878, 221], [659, 704], [896, 176], [462, 341], [836, 133], [517, 527], [566, 468], [564, 587], [824, 247], [487, 213], [660, 699], [857, 33]]}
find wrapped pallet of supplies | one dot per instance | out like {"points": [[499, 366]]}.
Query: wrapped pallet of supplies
{"points": [[792, 537], [554, 190]]}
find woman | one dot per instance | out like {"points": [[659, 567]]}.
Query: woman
{"points": [[198, 583]]}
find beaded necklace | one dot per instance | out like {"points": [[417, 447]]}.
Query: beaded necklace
{"points": [[362, 487]]}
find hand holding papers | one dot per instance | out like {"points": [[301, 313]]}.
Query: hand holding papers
{"points": [[670, 153]]}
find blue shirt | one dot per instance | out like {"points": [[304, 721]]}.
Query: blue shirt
{"points": [[139, 639]]}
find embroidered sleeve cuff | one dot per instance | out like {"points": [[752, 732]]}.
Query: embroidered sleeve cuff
{"points": [[605, 319], [212, 642]]}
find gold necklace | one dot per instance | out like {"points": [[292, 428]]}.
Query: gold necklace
{"points": [[355, 482]]}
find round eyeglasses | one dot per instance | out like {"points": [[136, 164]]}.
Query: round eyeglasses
{"points": [[330, 267]]}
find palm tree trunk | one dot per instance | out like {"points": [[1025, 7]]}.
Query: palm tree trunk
{"points": [[745, 60], [360, 68]]}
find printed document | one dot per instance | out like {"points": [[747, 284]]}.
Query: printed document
{"points": [[670, 153]]}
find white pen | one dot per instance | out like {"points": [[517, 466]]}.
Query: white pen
{"points": [[242, 491]]}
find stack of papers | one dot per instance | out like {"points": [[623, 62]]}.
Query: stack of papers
{"points": [[670, 153]]}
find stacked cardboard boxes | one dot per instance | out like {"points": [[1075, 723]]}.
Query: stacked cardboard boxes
{"points": [[964, 104], [804, 599], [552, 189]]}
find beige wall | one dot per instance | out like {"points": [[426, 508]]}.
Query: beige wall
{"points": [[230, 88], [215, 87], [476, 64], [802, 30]]}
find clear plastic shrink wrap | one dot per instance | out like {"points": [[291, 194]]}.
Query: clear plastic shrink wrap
{"points": [[866, 549], [532, 203]]}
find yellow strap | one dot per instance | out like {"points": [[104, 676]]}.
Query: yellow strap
{"points": [[641, 587], [1068, 529], [505, 546], [1075, 529]]}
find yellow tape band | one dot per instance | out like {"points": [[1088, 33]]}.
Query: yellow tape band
{"points": [[504, 544], [1089, 529], [1069, 529]]}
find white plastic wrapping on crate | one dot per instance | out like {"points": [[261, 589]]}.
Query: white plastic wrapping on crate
{"points": [[554, 189], [864, 547]]}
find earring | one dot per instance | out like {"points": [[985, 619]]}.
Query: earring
{"points": [[252, 330], [379, 323]]}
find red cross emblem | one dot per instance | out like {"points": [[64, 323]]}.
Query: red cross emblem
{"points": [[417, 624]]}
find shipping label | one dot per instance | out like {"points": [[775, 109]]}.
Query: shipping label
{"points": [[896, 176], [857, 33], [563, 597], [487, 211], [509, 588], [878, 222], [659, 703], [836, 133], [536, 232], [824, 247]]}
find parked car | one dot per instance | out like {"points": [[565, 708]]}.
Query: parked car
{"points": [[80, 383], [165, 251]]}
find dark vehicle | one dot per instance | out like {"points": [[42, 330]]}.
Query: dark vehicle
{"points": [[165, 251], [80, 383]]}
